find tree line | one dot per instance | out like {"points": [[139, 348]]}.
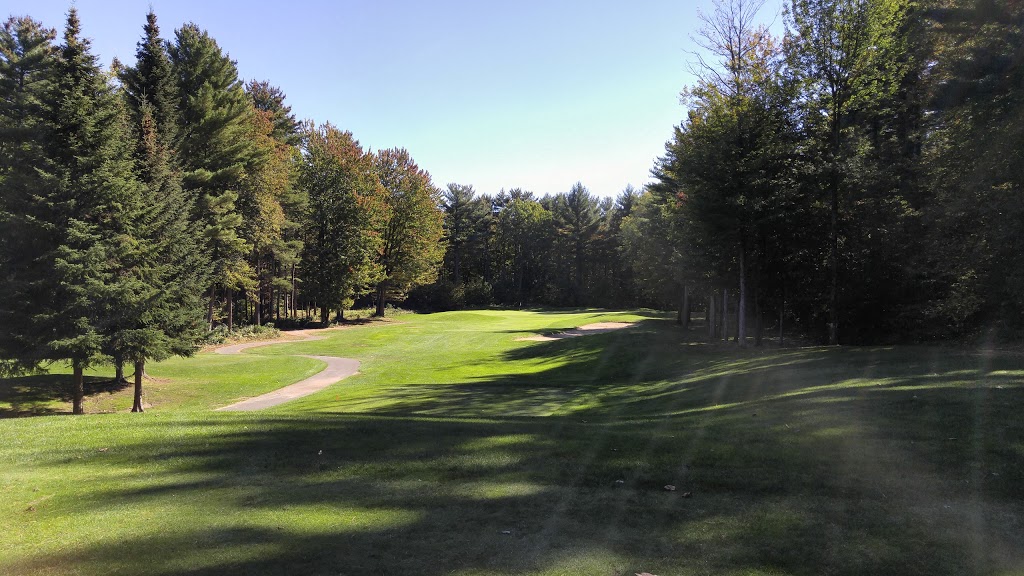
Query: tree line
{"points": [[142, 205], [858, 179]]}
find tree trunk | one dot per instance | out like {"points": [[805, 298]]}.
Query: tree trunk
{"points": [[725, 314], [294, 303], [686, 307], [231, 310], [758, 322], [380, 300], [77, 389], [833, 312], [782, 317], [457, 266], [140, 369], [741, 308], [209, 312], [118, 369], [257, 305], [682, 306], [325, 316], [712, 315]]}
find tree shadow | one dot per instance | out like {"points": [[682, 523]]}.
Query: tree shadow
{"points": [[37, 395], [810, 461]]}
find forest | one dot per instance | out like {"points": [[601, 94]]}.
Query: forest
{"points": [[857, 179]]}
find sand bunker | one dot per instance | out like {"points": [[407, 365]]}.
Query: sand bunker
{"points": [[597, 328]]}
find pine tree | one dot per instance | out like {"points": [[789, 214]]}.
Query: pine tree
{"points": [[151, 81], [28, 61], [462, 223], [269, 99], [162, 314], [577, 218], [67, 285], [267, 198], [214, 149]]}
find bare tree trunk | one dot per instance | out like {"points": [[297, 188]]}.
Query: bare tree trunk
{"points": [[231, 310], [758, 322], [741, 308], [457, 264], [77, 388], [782, 316], [682, 306], [725, 314], [325, 314], [833, 312], [209, 312], [140, 369], [381, 291], [712, 315], [118, 369], [686, 307], [294, 303]]}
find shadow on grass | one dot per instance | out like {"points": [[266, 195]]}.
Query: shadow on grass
{"points": [[811, 461], [39, 395]]}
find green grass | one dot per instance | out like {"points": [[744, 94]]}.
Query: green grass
{"points": [[204, 382], [904, 460]]}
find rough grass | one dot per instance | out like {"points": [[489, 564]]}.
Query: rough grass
{"points": [[461, 451]]}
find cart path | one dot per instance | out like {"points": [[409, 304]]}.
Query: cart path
{"points": [[337, 369]]}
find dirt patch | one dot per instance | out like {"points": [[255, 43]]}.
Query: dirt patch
{"points": [[596, 328]]}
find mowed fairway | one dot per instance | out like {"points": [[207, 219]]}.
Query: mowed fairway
{"points": [[460, 450]]}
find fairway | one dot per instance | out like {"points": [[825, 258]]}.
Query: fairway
{"points": [[460, 448]]}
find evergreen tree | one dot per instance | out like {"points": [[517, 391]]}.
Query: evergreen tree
{"points": [[577, 218], [269, 100], [268, 199], [28, 61], [524, 237], [66, 286], [215, 149], [462, 225], [162, 314], [151, 81]]}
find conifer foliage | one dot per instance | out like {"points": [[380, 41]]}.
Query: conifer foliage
{"points": [[66, 279]]}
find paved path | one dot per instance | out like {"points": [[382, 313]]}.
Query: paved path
{"points": [[337, 369]]}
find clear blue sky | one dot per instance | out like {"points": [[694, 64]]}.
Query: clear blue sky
{"points": [[529, 94]]}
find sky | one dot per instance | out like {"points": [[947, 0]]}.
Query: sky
{"points": [[530, 94]]}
